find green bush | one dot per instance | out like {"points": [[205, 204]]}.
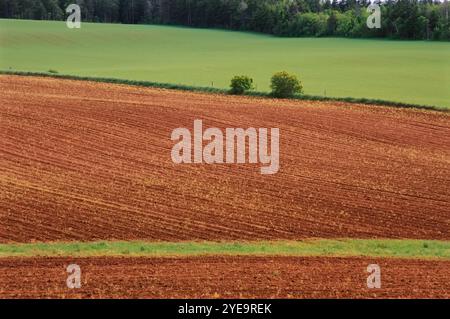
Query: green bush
{"points": [[240, 84], [284, 84]]}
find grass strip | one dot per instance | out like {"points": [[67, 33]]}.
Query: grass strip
{"points": [[182, 87], [396, 248]]}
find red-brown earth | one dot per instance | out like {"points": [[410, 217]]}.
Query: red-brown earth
{"points": [[86, 161], [223, 277]]}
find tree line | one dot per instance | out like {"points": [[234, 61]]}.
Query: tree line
{"points": [[400, 19]]}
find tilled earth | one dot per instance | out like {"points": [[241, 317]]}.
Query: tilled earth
{"points": [[223, 277], [86, 161]]}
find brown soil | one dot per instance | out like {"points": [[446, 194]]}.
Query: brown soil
{"points": [[223, 277], [86, 161]]}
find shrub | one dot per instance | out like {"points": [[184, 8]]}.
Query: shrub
{"points": [[284, 84], [240, 84]]}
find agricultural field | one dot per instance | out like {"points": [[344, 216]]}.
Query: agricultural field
{"points": [[95, 164], [416, 72], [224, 277], [87, 176]]}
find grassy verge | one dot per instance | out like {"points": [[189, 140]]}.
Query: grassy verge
{"points": [[377, 102], [314, 247]]}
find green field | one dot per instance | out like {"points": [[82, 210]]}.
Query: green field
{"points": [[406, 248], [402, 71]]}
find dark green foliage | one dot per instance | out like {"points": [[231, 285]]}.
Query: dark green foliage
{"points": [[402, 19], [241, 84], [285, 85]]}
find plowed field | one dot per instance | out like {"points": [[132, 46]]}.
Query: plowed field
{"points": [[85, 161], [224, 277]]}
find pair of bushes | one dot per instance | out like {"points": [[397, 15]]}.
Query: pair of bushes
{"points": [[282, 84]]}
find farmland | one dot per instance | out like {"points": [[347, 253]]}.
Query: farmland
{"points": [[224, 277], [400, 248], [87, 177], [403, 71], [96, 165]]}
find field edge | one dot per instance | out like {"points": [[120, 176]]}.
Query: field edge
{"points": [[181, 87], [386, 248]]}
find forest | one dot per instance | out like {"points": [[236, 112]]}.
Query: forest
{"points": [[400, 19]]}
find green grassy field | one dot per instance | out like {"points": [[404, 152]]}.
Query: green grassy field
{"points": [[314, 247], [403, 71]]}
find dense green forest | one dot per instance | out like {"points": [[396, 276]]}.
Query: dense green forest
{"points": [[400, 19]]}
